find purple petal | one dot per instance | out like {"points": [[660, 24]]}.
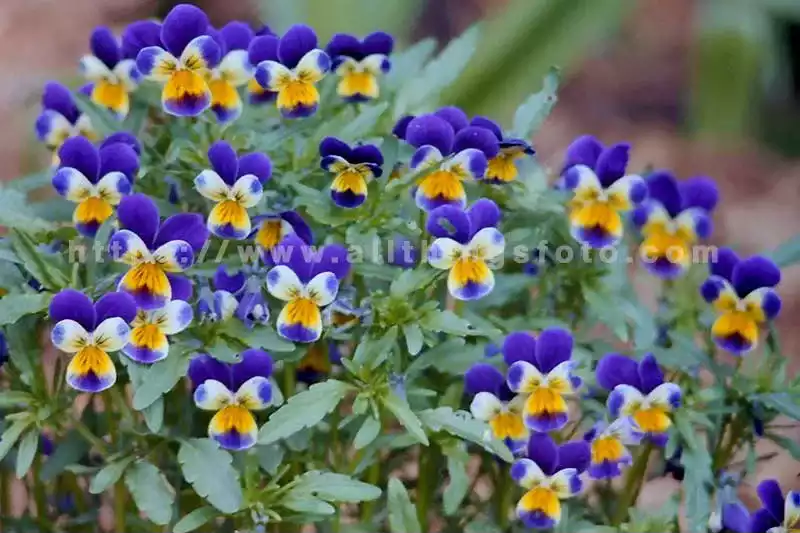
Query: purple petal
{"points": [[300, 227], [295, 254], [724, 263], [553, 347], [257, 164], [182, 24], [615, 369], [232, 283], [753, 273], [488, 124], [583, 151], [483, 377], [189, 227], [236, 35], [80, 154], [138, 213], [204, 367], [576, 454], [543, 451], [113, 304], [263, 48], [367, 153], [772, 497], [454, 116], [650, 374], [123, 137], [430, 130], [699, 191], [762, 521], [295, 43], [377, 43], [735, 517], [138, 35], [333, 146], [223, 159], [182, 288], [401, 127], [403, 253], [104, 46], [253, 363], [771, 305], [449, 221], [333, 258], [663, 187], [119, 157], [484, 213], [519, 346], [478, 138], [58, 98], [70, 304], [344, 44], [611, 163]]}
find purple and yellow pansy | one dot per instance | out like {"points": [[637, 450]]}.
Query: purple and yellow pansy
{"points": [[638, 391], [360, 63], [155, 252], [779, 513], [540, 370], [344, 314], [300, 65], [233, 392], [353, 168], [271, 230], [89, 331], [95, 179], [673, 218], [502, 168], [307, 279], [608, 444], [113, 75], [264, 47], [549, 474], [60, 118], [234, 70], [742, 292], [466, 241], [148, 340], [451, 151], [235, 184], [220, 305], [494, 403], [184, 62]]}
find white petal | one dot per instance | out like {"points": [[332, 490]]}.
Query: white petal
{"points": [[128, 74], [426, 156], [487, 244], [627, 191], [174, 317], [112, 334], [560, 377], [93, 69], [375, 64], [347, 65], [323, 288], [485, 406], [174, 256], [247, 191], [623, 400], [526, 473], [313, 66], [72, 184], [272, 76], [583, 181], [69, 336], [524, 377], [113, 186], [225, 305], [210, 185], [255, 393], [236, 68], [666, 396], [444, 252], [127, 247], [212, 395], [283, 283], [566, 483]]}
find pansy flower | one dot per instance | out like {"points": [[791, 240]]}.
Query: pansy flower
{"points": [[452, 157], [155, 252], [672, 219], [113, 75], [344, 314], [184, 63], [502, 168], [741, 291], [638, 390], [270, 230], [602, 191], [60, 118], [352, 168], [494, 403], [235, 184], [778, 514], [466, 247], [549, 474], [307, 279], [233, 71], [295, 73], [148, 341], [262, 48], [609, 443], [233, 391], [89, 332], [94, 179], [542, 373], [318, 362], [221, 304], [139, 35], [359, 64]]}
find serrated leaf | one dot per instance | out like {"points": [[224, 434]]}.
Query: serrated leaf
{"points": [[210, 472], [364, 123], [305, 409], [159, 379], [334, 487], [15, 306], [414, 338], [366, 433], [26, 452], [12, 434], [109, 475], [402, 513], [270, 457], [195, 519], [535, 109], [403, 413], [461, 424], [151, 492]]}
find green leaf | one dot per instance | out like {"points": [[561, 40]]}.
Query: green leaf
{"points": [[270, 457], [267, 339], [15, 306], [782, 402], [154, 415], [607, 311], [26, 452], [151, 491], [447, 322], [697, 485], [195, 519], [788, 253], [210, 472], [11, 435], [533, 111], [402, 513], [303, 410], [411, 280], [461, 424], [51, 275], [364, 123], [109, 475], [375, 352], [457, 488], [414, 338], [307, 504], [224, 351], [407, 64], [790, 445], [14, 398], [71, 449], [103, 122], [367, 433], [159, 379], [334, 487], [32, 181], [451, 357], [16, 212], [403, 413]]}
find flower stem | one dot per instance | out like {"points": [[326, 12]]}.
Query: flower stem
{"points": [[636, 473], [503, 494], [425, 485]]}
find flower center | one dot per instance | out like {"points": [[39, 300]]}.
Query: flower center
{"points": [[607, 449]]}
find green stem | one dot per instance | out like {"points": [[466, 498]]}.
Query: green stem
{"points": [[91, 438], [627, 497], [39, 494], [373, 477], [424, 485], [120, 497], [503, 496], [722, 454]]}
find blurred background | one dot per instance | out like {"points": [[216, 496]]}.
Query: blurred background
{"points": [[699, 86]]}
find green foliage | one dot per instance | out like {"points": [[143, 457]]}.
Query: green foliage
{"points": [[210, 472]]}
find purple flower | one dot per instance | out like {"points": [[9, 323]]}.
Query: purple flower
{"points": [[233, 71], [502, 168], [352, 168], [270, 230], [609, 446], [149, 337], [777, 513], [112, 75], [359, 64], [60, 118]]}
